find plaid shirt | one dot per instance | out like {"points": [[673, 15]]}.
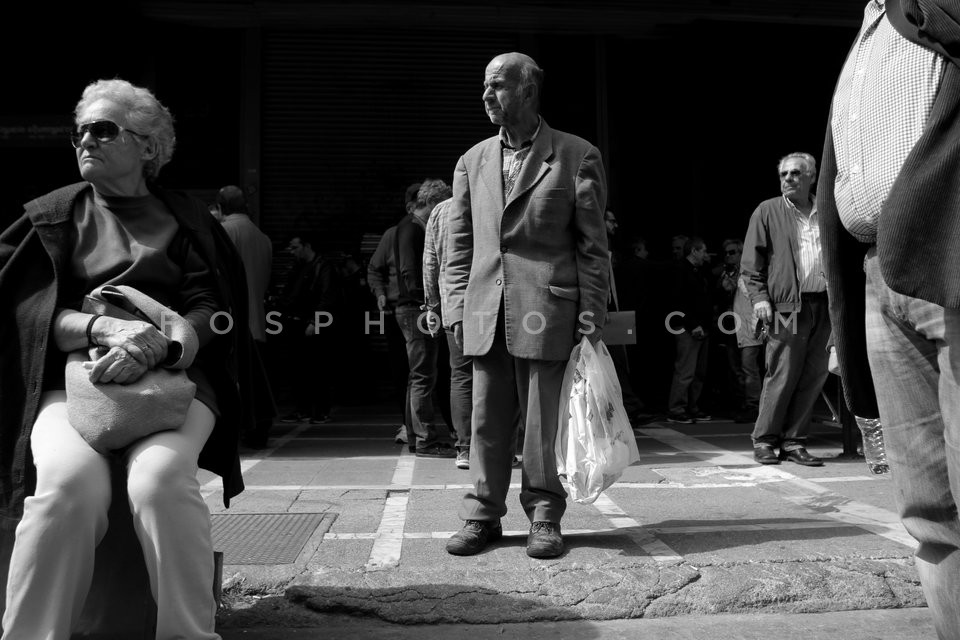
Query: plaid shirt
{"points": [[435, 262], [883, 98], [513, 159]]}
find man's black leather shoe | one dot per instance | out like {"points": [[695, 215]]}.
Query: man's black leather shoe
{"points": [[764, 454], [801, 456], [544, 540], [473, 537]]}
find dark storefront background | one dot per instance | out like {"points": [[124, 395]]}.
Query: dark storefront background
{"points": [[325, 121]]}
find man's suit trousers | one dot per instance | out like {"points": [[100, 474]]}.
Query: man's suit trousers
{"points": [[505, 390]]}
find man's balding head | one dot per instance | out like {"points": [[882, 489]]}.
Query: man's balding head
{"points": [[231, 200], [521, 68]]}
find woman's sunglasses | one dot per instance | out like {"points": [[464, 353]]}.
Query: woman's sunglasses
{"points": [[103, 131]]}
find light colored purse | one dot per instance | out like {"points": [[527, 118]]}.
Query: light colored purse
{"points": [[112, 416]]}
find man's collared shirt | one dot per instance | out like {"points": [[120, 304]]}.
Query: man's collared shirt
{"points": [[513, 158], [809, 262], [883, 98]]}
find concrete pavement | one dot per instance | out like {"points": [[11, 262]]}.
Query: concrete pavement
{"points": [[694, 530]]}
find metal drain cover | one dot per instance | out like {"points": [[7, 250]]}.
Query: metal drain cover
{"points": [[265, 538]]}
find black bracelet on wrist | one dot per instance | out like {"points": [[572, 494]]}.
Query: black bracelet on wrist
{"points": [[90, 341]]}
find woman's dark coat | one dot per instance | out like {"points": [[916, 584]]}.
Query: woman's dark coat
{"points": [[35, 257]]}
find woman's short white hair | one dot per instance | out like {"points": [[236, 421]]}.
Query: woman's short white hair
{"points": [[145, 115]]}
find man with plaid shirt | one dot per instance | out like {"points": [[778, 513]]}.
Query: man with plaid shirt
{"points": [[889, 200], [436, 303]]}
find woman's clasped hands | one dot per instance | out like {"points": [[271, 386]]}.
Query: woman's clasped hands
{"points": [[133, 348]]}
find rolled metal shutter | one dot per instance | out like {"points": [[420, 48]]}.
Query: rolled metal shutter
{"points": [[349, 119]]}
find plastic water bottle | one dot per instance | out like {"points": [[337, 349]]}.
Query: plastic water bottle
{"points": [[873, 449]]}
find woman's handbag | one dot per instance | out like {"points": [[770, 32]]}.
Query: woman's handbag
{"points": [[112, 416]]}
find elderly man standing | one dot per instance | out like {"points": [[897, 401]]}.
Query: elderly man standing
{"points": [[889, 197], [527, 272], [781, 266], [256, 253]]}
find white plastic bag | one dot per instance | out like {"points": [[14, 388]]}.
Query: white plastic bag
{"points": [[595, 441]]}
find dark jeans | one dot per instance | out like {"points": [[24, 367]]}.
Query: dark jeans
{"points": [[441, 390], [461, 391], [690, 369], [796, 370], [422, 351], [399, 369]]}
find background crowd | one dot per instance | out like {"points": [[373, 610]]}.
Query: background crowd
{"points": [[699, 353]]}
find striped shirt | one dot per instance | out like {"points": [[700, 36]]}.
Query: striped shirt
{"points": [[809, 258], [435, 261], [513, 158], [883, 98]]}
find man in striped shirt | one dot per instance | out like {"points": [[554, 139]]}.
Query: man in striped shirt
{"points": [[782, 270]]}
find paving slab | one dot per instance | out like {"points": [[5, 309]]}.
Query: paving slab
{"points": [[695, 529]]}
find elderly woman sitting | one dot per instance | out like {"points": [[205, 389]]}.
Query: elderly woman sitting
{"points": [[116, 228]]}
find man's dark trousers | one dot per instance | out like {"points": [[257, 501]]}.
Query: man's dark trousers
{"points": [[461, 391], [504, 389], [796, 370], [422, 349]]}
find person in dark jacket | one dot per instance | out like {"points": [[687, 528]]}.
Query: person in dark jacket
{"points": [[693, 310], [889, 195], [256, 254], [312, 306], [385, 287], [118, 227]]}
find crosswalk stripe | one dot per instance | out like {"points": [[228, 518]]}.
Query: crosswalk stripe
{"points": [[799, 491], [655, 548], [388, 544]]}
